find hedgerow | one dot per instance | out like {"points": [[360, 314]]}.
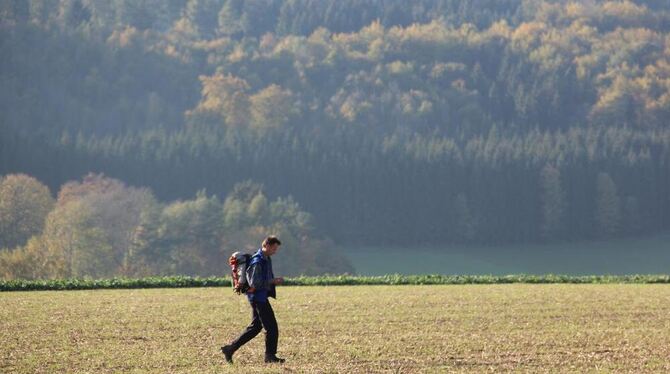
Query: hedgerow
{"points": [[326, 280]]}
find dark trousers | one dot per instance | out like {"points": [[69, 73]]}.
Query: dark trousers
{"points": [[262, 318]]}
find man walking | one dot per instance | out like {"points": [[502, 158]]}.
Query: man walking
{"points": [[261, 286]]}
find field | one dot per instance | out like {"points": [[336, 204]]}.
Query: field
{"points": [[469, 328], [640, 255]]}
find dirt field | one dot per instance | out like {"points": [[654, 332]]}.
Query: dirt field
{"points": [[485, 328]]}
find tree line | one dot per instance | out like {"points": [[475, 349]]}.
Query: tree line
{"points": [[391, 122], [99, 227]]}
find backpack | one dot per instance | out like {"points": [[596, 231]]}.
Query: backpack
{"points": [[238, 265]]}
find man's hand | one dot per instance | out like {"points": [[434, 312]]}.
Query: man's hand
{"points": [[279, 280]]}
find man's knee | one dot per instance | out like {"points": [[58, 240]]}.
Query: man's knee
{"points": [[256, 327]]}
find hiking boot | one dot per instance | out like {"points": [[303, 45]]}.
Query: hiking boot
{"points": [[273, 359], [228, 353]]}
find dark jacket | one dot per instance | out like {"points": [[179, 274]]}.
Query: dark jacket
{"points": [[260, 276]]}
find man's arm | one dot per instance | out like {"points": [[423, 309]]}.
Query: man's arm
{"points": [[255, 277]]}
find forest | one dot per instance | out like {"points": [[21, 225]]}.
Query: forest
{"points": [[168, 132]]}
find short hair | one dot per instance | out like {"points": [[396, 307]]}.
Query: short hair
{"points": [[270, 240]]}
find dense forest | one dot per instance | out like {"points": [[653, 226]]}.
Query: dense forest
{"points": [[391, 122]]}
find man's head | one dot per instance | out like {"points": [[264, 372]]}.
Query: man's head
{"points": [[271, 245]]}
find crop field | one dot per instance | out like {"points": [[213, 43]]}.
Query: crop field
{"points": [[439, 328], [614, 256]]}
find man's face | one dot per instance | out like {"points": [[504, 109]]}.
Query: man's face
{"points": [[271, 249]]}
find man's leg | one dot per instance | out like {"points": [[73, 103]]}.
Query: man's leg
{"points": [[267, 317], [249, 333]]}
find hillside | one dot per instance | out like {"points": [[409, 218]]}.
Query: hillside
{"points": [[430, 122]]}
